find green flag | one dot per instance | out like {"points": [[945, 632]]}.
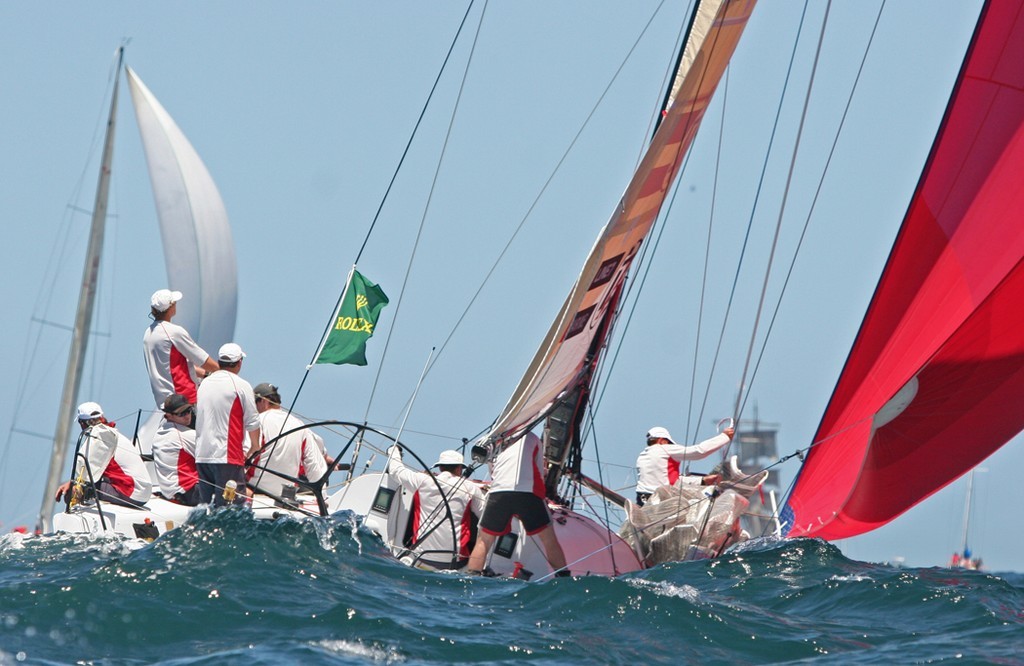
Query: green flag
{"points": [[353, 323]]}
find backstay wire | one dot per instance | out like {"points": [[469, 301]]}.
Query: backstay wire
{"points": [[741, 392], [376, 217], [533, 205], [817, 192], [753, 211]]}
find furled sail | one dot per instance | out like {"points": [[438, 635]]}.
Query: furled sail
{"points": [[194, 227], [565, 357], [935, 380]]}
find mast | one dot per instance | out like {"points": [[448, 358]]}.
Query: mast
{"points": [[967, 512], [83, 316]]}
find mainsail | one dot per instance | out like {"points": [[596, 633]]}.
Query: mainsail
{"points": [[565, 360], [935, 380]]}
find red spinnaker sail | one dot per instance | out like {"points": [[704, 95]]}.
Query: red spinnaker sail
{"points": [[935, 380]]}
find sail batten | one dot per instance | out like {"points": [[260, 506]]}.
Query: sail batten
{"points": [[945, 315]]}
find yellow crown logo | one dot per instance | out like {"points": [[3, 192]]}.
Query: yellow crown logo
{"points": [[361, 301]]}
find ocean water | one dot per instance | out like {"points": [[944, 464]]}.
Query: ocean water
{"points": [[227, 589]]}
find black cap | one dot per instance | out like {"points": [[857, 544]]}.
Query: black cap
{"points": [[264, 390], [176, 404]]}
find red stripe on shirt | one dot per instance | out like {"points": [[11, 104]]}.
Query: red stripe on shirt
{"points": [[236, 434], [187, 475], [538, 476], [121, 480], [673, 471], [181, 377], [416, 517]]}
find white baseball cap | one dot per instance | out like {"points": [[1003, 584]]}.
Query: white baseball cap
{"points": [[449, 457], [89, 410], [163, 299], [230, 353], [658, 432]]}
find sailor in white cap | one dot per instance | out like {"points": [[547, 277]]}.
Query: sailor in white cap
{"points": [[434, 545], [110, 461], [227, 428], [173, 359], [659, 464]]}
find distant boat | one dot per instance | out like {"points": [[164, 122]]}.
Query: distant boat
{"points": [[965, 558], [200, 259]]}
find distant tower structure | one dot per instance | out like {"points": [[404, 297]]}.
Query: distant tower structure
{"points": [[756, 448]]}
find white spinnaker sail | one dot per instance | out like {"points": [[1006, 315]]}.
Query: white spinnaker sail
{"points": [[194, 227], [560, 363]]}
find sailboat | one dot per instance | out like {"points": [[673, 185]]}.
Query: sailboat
{"points": [[965, 558], [555, 390], [200, 261], [935, 375]]}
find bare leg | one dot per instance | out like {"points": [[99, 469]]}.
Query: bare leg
{"points": [[484, 541], [553, 549]]}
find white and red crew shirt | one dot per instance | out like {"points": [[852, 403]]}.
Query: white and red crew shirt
{"points": [[171, 357], [519, 467], [111, 456], [225, 414], [174, 458], [294, 454], [432, 532], [659, 464]]}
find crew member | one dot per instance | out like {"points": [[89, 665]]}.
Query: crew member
{"points": [[110, 461], [441, 502], [517, 489], [174, 452], [173, 359], [227, 429], [294, 455], [658, 464]]}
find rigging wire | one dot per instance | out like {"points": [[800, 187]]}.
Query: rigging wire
{"points": [[555, 170], [753, 210], [423, 218], [782, 211], [650, 248], [817, 193], [384, 198], [707, 261]]}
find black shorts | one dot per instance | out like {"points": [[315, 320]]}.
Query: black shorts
{"points": [[213, 477], [504, 504], [191, 497]]}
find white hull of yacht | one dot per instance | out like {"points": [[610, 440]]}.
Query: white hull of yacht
{"points": [[157, 517]]}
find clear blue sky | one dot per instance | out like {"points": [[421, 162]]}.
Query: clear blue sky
{"points": [[301, 112]]}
